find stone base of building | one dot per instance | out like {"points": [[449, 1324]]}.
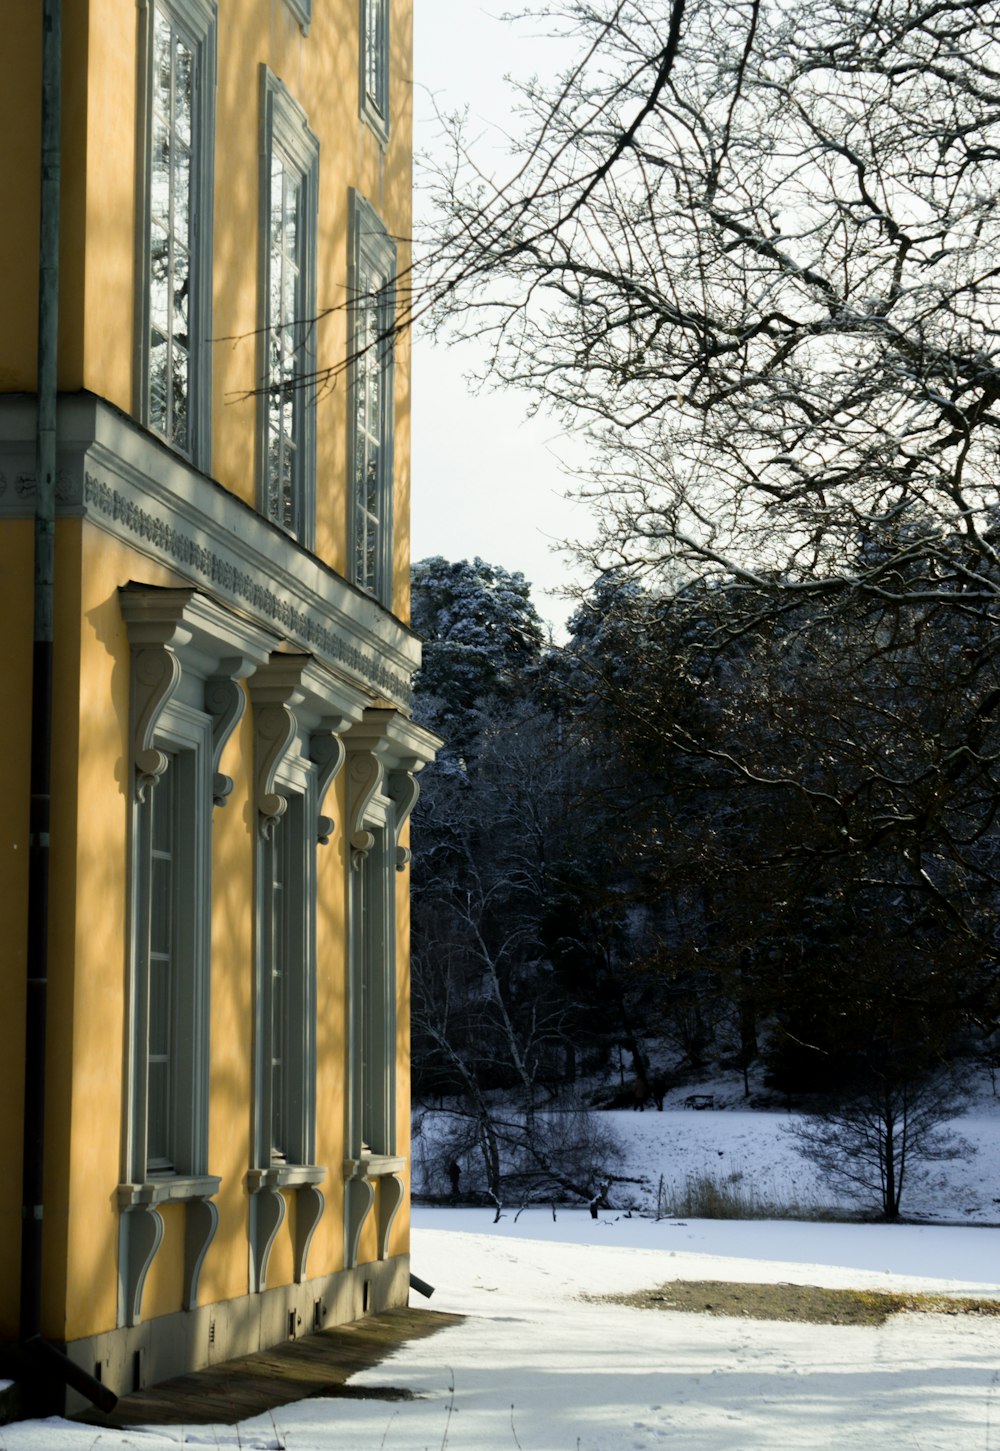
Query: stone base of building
{"points": [[134, 1357]]}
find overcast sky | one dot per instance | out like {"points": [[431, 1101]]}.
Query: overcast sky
{"points": [[485, 481]]}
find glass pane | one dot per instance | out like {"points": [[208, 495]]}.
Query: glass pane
{"points": [[159, 1007], [291, 210], [180, 378], [158, 354], [158, 1114], [180, 293], [159, 280], [182, 195], [183, 91], [277, 202], [372, 501], [159, 183], [162, 59]]}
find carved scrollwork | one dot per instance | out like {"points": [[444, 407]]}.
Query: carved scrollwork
{"points": [[141, 1234], [364, 779], [201, 1220], [267, 1212], [404, 792], [309, 1206], [275, 727], [390, 1197], [156, 674], [328, 753], [225, 701], [359, 1196]]}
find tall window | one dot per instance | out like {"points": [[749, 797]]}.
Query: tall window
{"points": [[374, 85], [173, 823], [165, 949], [286, 984], [373, 884], [289, 178], [173, 365], [371, 401]]}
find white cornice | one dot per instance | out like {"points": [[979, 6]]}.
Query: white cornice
{"points": [[119, 478]]}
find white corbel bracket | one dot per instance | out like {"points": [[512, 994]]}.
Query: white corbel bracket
{"points": [[296, 698], [385, 750], [173, 631], [328, 753], [404, 792]]}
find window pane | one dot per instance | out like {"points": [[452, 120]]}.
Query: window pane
{"points": [[284, 483], [170, 224], [162, 968]]}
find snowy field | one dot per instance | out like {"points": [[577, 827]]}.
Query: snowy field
{"points": [[754, 1151], [540, 1364]]}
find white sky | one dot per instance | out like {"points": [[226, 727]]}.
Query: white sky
{"points": [[486, 480]]}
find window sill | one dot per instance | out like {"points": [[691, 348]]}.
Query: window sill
{"points": [[168, 1189], [284, 1176], [374, 1166]]}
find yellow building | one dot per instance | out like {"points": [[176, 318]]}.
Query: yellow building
{"points": [[226, 1082]]}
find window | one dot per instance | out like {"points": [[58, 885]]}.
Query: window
{"points": [[385, 750], [374, 81], [173, 372], [373, 924], [371, 401], [172, 958], [188, 657], [289, 188], [299, 711], [286, 1026]]}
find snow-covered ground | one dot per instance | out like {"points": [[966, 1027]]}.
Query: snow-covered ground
{"points": [[540, 1364], [754, 1153]]}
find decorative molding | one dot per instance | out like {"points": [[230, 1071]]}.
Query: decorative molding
{"points": [[364, 778], [384, 744], [267, 1212], [359, 1196], [309, 1206], [156, 674], [120, 478], [226, 702], [274, 730], [140, 1234], [201, 1220], [391, 1191], [327, 752], [182, 549], [404, 792]]}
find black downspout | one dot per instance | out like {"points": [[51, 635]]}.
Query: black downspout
{"points": [[45, 1360], [41, 683]]}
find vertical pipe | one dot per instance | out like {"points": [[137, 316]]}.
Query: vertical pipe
{"points": [[41, 686]]}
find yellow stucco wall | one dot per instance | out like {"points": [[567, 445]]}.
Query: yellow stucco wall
{"points": [[91, 779], [99, 172]]}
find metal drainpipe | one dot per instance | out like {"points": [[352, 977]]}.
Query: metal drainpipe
{"points": [[41, 683], [45, 1358]]}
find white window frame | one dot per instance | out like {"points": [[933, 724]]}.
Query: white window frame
{"points": [[374, 34], [296, 783], [184, 734], [302, 10], [188, 658], [285, 134], [372, 941], [371, 249], [196, 21]]}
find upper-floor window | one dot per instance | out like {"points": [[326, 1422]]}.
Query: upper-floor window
{"points": [[289, 185], [375, 64], [372, 291], [173, 372]]}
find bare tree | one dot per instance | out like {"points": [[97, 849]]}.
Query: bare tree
{"points": [[872, 1144], [756, 248]]}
